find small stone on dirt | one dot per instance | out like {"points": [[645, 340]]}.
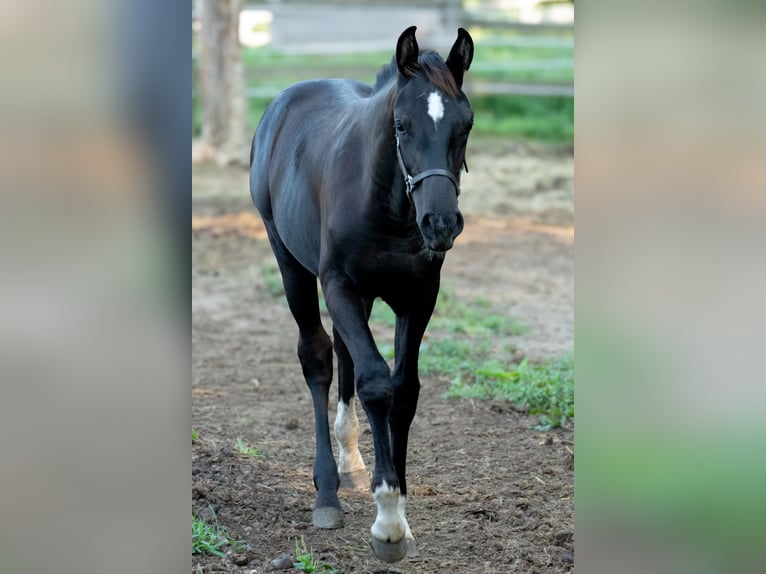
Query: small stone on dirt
{"points": [[282, 562], [240, 559], [563, 537], [292, 424]]}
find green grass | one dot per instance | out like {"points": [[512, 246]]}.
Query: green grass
{"points": [[545, 119], [382, 314], [245, 449], [453, 314], [545, 389], [305, 561], [210, 538], [549, 119], [473, 317], [268, 57], [469, 342], [195, 436]]}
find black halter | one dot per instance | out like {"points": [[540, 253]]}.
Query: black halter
{"points": [[411, 181]]}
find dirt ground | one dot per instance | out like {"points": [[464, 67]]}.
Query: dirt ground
{"points": [[488, 493]]}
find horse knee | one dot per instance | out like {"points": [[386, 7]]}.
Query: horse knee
{"points": [[374, 387], [315, 354]]}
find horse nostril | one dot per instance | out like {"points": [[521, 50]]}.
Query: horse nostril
{"points": [[459, 222], [425, 223]]}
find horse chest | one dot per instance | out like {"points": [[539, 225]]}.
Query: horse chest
{"points": [[388, 274]]}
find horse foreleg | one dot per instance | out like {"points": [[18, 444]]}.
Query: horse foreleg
{"points": [[372, 378], [400, 420], [409, 333]]}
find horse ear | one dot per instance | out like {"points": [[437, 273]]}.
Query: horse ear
{"points": [[407, 52], [460, 56]]}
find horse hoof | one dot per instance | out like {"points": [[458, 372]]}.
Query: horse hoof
{"points": [[355, 480], [327, 517], [412, 550], [389, 552]]}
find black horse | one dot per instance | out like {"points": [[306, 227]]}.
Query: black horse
{"points": [[358, 186]]}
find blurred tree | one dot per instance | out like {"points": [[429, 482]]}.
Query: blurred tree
{"points": [[225, 126]]}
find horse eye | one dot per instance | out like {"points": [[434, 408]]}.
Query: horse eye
{"points": [[399, 127]]}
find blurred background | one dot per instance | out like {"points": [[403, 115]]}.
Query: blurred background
{"points": [[520, 83]]}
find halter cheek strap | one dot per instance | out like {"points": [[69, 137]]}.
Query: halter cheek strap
{"points": [[410, 181]]}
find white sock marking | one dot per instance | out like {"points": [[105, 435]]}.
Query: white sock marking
{"points": [[388, 525], [347, 436], [435, 107]]}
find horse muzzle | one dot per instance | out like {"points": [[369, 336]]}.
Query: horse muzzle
{"points": [[439, 230]]}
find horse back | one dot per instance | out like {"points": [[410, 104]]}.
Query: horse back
{"points": [[293, 157]]}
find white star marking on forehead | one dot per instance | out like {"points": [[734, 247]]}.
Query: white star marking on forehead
{"points": [[435, 107]]}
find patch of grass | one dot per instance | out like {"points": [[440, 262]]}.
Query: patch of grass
{"points": [[474, 317], [460, 333], [245, 449], [195, 436], [267, 56], [382, 314], [546, 119], [306, 562], [545, 389], [453, 314], [468, 342], [451, 357], [386, 350], [210, 538]]}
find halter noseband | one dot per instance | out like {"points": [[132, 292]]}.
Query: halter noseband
{"points": [[411, 181]]}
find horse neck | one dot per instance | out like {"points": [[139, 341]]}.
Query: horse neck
{"points": [[387, 182]]}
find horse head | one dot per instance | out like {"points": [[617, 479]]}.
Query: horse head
{"points": [[432, 119]]}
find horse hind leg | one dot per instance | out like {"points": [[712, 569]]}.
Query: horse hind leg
{"points": [[351, 468], [315, 354]]}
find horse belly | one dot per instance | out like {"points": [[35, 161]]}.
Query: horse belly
{"points": [[298, 224], [296, 158]]}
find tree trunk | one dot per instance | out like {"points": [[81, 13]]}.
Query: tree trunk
{"points": [[225, 123]]}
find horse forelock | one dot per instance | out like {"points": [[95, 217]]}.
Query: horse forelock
{"points": [[436, 72], [431, 66]]}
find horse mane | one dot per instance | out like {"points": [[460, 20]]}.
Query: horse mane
{"points": [[430, 65]]}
